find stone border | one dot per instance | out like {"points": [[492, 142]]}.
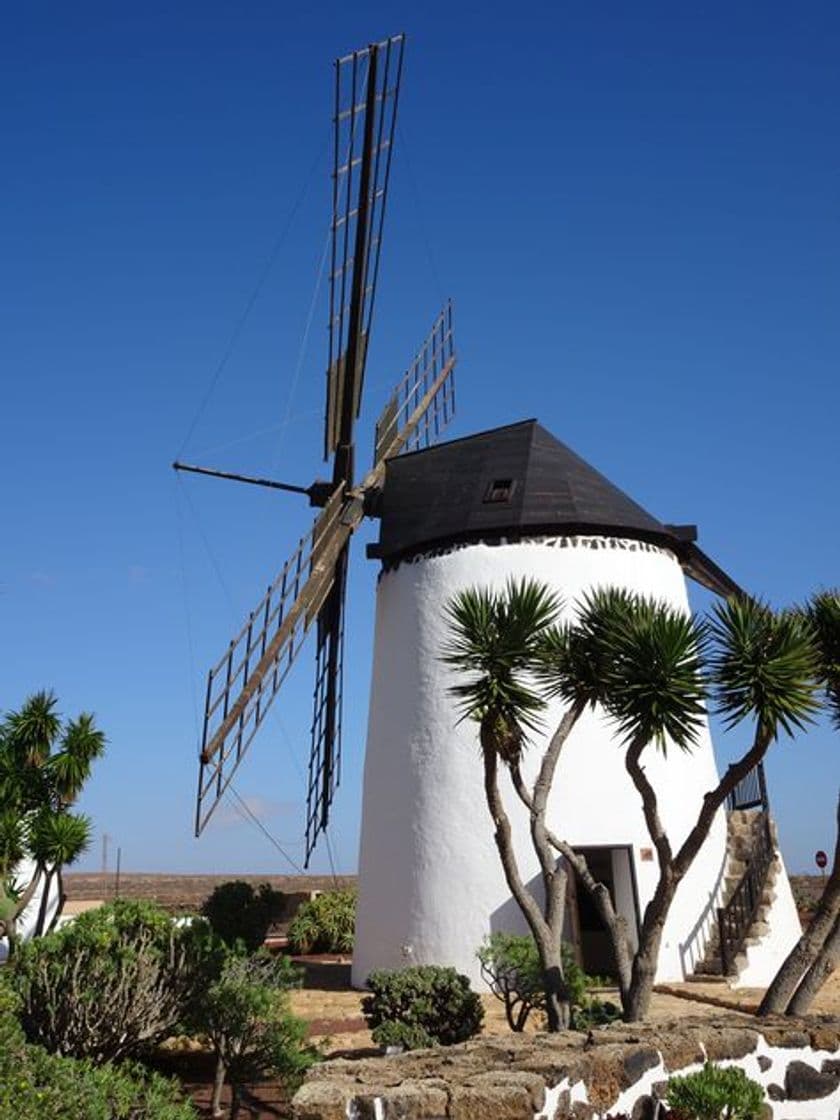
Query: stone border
{"points": [[572, 1076]]}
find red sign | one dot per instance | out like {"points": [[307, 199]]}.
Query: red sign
{"points": [[822, 859]]}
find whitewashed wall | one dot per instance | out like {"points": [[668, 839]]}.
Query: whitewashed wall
{"points": [[430, 881], [27, 921]]}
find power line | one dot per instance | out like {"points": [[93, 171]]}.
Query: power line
{"points": [[252, 815], [252, 299]]}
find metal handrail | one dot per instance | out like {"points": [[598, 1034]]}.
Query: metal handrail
{"points": [[738, 915], [750, 792]]}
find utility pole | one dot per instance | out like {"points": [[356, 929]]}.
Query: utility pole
{"points": [[106, 840]]}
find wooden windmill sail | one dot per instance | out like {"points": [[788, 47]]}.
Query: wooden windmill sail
{"points": [[310, 588]]}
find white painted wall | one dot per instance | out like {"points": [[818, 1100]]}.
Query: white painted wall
{"points": [[765, 958], [26, 922], [430, 882], [824, 1108]]}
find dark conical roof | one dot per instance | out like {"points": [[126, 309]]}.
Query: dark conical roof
{"points": [[517, 479]]}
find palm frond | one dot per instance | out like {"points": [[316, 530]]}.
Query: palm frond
{"points": [[656, 688], [764, 665], [59, 838], [823, 611], [493, 636], [30, 732]]}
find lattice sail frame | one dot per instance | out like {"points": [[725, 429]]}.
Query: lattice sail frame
{"points": [[428, 384], [324, 770], [243, 683], [381, 64]]}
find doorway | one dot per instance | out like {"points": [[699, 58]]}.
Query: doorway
{"points": [[614, 868]]}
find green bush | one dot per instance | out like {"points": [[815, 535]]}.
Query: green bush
{"points": [[35, 1085], [325, 924], [510, 963], [41, 1086], [402, 1035], [113, 982], [715, 1093], [593, 1012], [436, 1000], [239, 913]]}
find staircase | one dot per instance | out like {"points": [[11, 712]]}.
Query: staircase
{"points": [[748, 891]]}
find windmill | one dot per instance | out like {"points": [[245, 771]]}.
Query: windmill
{"points": [[309, 591]]}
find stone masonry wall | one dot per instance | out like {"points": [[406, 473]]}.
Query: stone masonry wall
{"points": [[573, 1076]]}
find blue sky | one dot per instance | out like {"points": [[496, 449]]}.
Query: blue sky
{"points": [[637, 211]]}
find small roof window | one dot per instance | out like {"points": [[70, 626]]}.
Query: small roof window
{"points": [[500, 490]]}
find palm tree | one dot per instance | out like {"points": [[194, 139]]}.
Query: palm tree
{"points": [[816, 954], [43, 767], [661, 664], [651, 668], [494, 642]]}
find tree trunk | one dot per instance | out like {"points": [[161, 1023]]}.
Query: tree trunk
{"points": [[637, 1004], [62, 898], [235, 1101], [218, 1085], [548, 943], [805, 952], [673, 868], [817, 974], [558, 1010], [42, 909]]}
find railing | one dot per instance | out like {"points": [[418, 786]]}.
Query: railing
{"points": [[750, 792], [735, 919]]}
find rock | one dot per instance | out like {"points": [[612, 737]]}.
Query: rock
{"points": [[415, 1100], [764, 1063], [775, 1092], [321, 1100], [804, 1083], [787, 1038], [659, 1090], [495, 1102], [644, 1108], [681, 1049], [765, 1112], [583, 1111], [637, 1062], [563, 1109], [831, 1065], [729, 1042], [825, 1038], [532, 1082]]}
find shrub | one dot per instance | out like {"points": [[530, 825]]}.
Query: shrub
{"points": [[714, 1093], [35, 1085], [325, 924], [245, 1013], [436, 1000], [237, 912], [38, 1085], [591, 1013], [510, 964], [113, 982]]}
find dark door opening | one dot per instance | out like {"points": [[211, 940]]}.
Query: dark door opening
{"points": [[613, 868]]}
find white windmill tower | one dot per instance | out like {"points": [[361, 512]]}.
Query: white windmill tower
{"points": [[515, 502]]}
